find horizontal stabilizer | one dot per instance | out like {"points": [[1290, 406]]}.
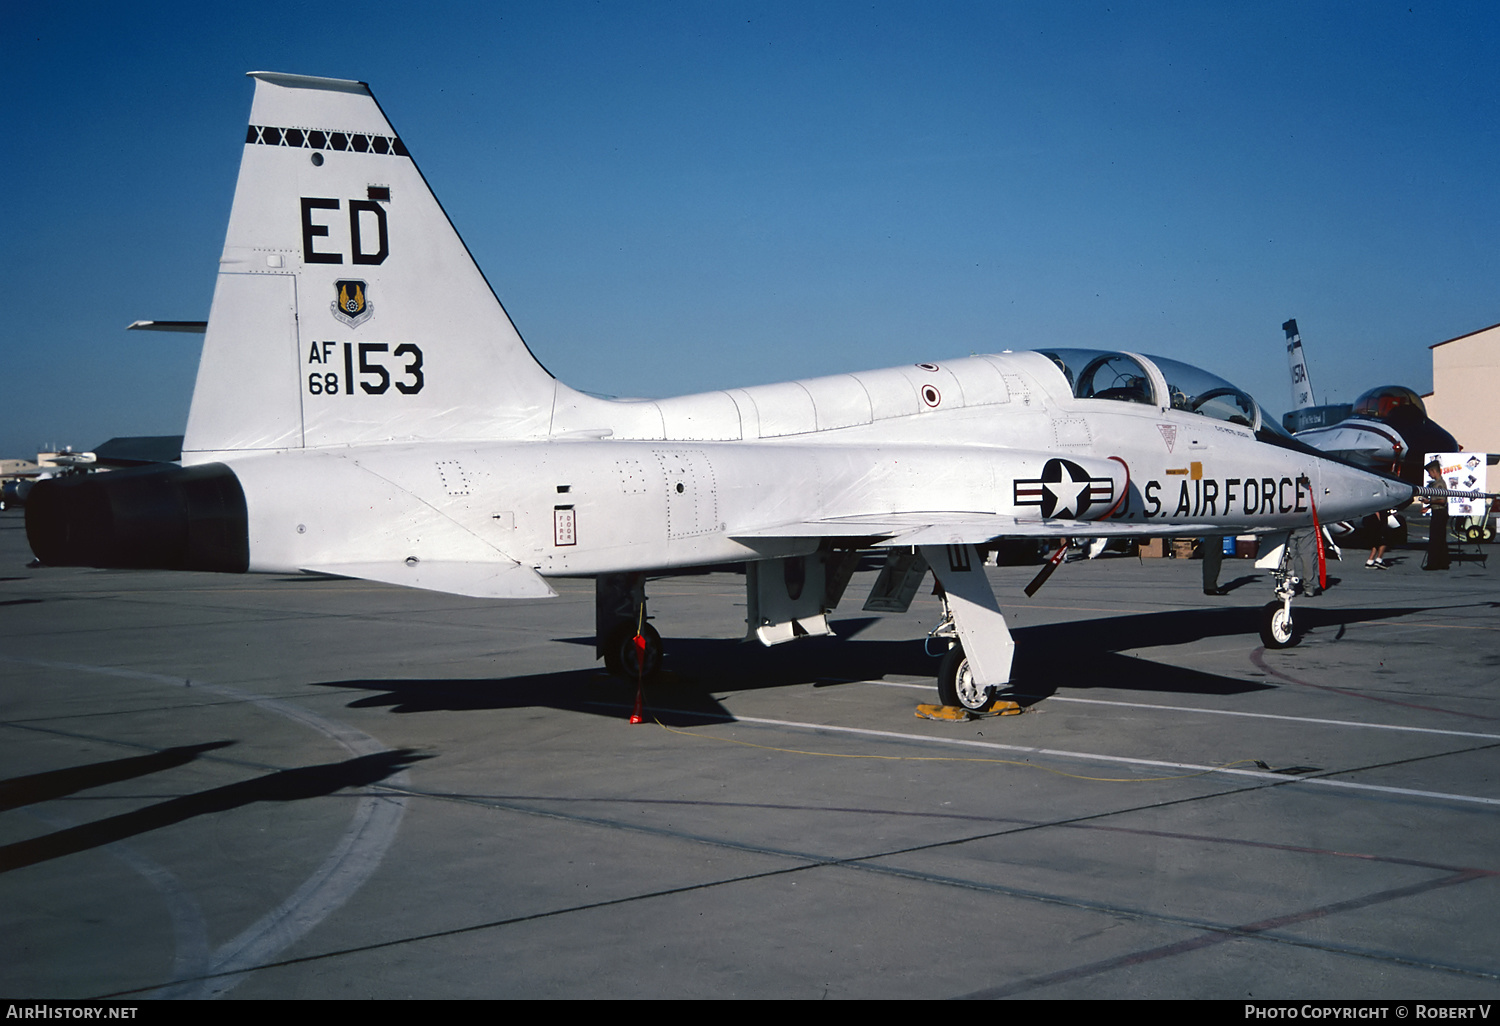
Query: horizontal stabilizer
{"points": [[475, 580], [191, 327], [139, 450]]}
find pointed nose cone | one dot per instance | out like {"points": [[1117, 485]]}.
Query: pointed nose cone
{"points": [[1397, 493], [1349, 492]]}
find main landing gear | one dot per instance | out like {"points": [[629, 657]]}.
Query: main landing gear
{"points": [[973, 639], [956, 683], [978, 659], [630, 646], [632, 651]]}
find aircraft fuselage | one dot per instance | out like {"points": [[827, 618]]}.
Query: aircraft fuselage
{"points": [[584, 506]]}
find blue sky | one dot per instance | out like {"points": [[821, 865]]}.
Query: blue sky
{"points": [[673, 197]]}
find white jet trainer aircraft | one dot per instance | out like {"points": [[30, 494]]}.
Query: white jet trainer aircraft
{"points": [[364, 407]]}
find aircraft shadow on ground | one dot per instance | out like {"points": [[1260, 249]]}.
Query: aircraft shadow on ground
{"points": [[42, 787], [282, 786], [1238, 583], [1087, 654], [1090, 654]]}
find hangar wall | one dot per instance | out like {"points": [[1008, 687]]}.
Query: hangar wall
{"points": [[1465, 382]]}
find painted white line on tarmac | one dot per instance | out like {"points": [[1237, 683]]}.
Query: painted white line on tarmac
{"points": [[1277, 716], [1233, 712], [1056, 753]]}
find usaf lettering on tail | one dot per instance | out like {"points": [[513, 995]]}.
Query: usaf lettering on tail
{"points": [[392, 425]]}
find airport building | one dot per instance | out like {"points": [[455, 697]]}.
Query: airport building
{"points": [[1465, 381]]}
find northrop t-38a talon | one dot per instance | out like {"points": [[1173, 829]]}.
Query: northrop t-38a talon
{"points": [[364, 407]]}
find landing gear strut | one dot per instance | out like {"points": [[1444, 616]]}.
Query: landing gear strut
{"points": [[1277, 628], [979, 646], [955, 680]]}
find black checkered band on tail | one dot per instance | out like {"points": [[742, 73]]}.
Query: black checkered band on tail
{"points": [[319, 139]]}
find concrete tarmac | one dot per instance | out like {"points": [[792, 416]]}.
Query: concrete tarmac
{"points": [[306, 787]]}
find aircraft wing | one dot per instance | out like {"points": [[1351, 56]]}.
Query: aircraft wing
{"points": [[473, 579], [940, 528]]}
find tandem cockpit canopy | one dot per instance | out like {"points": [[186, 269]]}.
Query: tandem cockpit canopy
{"points": [[1155, 381], [1165, 383]]}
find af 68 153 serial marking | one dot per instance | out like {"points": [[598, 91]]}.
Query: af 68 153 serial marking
{"points": [[371, 373]]}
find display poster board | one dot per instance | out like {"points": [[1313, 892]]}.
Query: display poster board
{"points": [[1462, 472]]}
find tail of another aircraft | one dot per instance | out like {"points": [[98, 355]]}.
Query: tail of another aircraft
{"points": [[347, 308], [1302, 392]]}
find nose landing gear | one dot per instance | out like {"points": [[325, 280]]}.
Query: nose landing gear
{"points": [[1277, 627]]}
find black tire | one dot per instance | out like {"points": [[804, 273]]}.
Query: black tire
{"points": [[620, 656], [956, 683], [1277, 628]]}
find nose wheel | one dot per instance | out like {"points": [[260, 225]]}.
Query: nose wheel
{"points": [[1277, 629]]}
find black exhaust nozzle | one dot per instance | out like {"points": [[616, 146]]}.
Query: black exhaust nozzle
{"points": [[162, 517]]}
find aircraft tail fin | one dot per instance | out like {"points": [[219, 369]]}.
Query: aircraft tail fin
{"points": [[347, 309], [1302, 392]]}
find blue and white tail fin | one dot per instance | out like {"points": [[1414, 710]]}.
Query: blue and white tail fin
{"points": [[347, 309], [1302, 390]]}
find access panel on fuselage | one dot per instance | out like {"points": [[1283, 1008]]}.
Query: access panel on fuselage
{"points": [[692, 494]]}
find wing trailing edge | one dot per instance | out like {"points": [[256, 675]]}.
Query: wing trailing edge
{"points": [[471, 579], [970, 529]]}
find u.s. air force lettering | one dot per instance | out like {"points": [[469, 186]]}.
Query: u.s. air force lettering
{"points": [[1208, 497]]}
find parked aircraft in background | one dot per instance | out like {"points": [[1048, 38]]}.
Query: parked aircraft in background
{"points": [[135, 451], [16, 485], [1386, 429], [1302, 390], [365, 407]]}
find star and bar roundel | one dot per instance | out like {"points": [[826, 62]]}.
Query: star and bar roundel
{"points": [[1065, 490]]}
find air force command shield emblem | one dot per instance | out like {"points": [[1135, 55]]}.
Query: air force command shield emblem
{"points": [[352, 306]]}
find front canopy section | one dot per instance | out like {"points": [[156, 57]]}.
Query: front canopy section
{"points": [[1117, 377]]}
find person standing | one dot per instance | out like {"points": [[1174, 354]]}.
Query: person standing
{"points": [[1379, 526], [1213, 558], [1437, 526]]}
